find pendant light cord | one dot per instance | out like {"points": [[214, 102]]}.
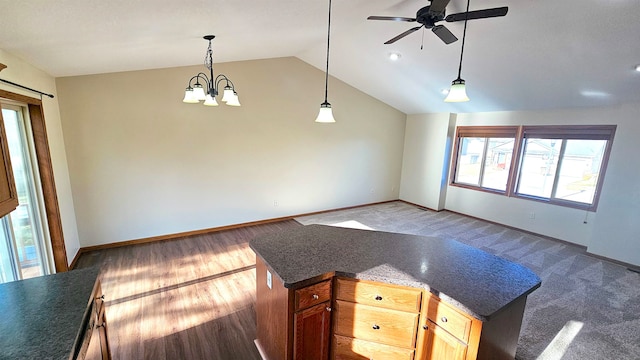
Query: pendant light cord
{"points": [[326, 74], [464, 35]]}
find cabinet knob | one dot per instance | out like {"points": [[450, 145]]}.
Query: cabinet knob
{"points": [[100, 325], [100, 297], [376, 327], [444, 319], [378, 297], [425, 327], [315, 297], [328, 309]]}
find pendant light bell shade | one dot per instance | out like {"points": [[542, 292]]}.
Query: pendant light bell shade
{"points": [[458, 92], [188, 96], [326, 114], [210, 101], [227, 94], [233, 100], [198, 92]]}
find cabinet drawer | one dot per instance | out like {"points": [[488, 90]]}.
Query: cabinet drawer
{"points": [[391, 297], [449, 319], [313, 295], [345, 348], [386, 326]]}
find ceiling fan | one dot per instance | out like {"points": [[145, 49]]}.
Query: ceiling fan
{"points": [[429, 15]]}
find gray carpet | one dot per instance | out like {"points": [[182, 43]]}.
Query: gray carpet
{"points": [[586, 308]]}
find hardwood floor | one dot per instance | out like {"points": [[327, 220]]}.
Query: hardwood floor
{"points": [[189, 298]]}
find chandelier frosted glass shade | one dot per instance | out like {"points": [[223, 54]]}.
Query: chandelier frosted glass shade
{"points": [[188, 96], [326, 114], [458, 92], [210, 101]]}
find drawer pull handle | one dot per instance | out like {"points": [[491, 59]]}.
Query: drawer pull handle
{"points": [[444, 319], [316, 297], [378, 297], [328, 309], [376, 327]]}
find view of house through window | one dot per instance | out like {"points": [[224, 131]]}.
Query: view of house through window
{"points": [[485, 162], [562, 165], [23, 249], [561, 169]]}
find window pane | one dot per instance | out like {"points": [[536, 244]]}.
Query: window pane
{"points": [[538, 167], [470, 157], [497, 163], [580, 169]]}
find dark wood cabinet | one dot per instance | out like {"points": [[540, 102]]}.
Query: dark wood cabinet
{"points": [[291, 323], [96, 342], [312, 332]]}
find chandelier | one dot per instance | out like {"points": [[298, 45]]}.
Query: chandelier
{"points": [[210, 86]]}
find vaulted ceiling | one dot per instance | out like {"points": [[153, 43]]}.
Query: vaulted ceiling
{"points": [[543, 55]]}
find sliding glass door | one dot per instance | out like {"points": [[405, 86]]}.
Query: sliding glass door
{"points": [[24, 249]]}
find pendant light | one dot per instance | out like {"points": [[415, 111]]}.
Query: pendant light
{"points": [[458, 91], [326, 114]]}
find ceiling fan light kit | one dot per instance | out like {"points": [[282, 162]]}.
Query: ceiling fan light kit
{"points": [[197, 92], [326, 114]]}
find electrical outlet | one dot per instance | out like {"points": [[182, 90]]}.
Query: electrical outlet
{"points": [[275, 203], [269, 279], [532, 215]]}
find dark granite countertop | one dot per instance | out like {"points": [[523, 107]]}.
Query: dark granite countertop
{"points": [[477, 282], [42, 318]]}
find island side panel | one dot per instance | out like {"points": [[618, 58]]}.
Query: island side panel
{"points": [[499, 339], [273, 315]]}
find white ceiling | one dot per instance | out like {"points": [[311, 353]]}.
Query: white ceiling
{"points": [[544, 54]]}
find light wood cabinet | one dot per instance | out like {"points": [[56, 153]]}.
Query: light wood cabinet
{"points": [[96, 342], [373, 320], [442, 345]]}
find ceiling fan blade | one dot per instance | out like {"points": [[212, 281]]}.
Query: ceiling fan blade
{"points": [[478, 14], [392, 18], [403, 35], [437, 7], [444, 34]]}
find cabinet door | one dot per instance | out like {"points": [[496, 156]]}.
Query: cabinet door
{"points": [[311, 337], [441, 345]]}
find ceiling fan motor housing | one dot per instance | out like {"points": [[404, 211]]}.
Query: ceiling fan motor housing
{"points": [[424, 17]]}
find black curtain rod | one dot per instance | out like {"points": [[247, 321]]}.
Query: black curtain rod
{"points": [[26, 88]]}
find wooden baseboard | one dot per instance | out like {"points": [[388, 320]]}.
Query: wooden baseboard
{"points": [[205, 231], [75, 259]]}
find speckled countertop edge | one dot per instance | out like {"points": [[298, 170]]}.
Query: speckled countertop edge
{"points": [[315, 252]]}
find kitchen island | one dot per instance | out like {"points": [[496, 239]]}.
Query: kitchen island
{"points": [[394, 295], [52, 317]]}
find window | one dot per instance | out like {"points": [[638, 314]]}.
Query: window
{"points": [[484, 157], [561, 165]]}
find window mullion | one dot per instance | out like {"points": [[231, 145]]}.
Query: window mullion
{"points": [[556, 176], [483, 161]]}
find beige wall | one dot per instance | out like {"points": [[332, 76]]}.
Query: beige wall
{"points": [[23, 73], [142, 163], [613, 231]]}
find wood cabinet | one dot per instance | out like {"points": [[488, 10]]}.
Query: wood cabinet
{"points": [[96, 342], [372, 320], [8, 193], [292, 323]]}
